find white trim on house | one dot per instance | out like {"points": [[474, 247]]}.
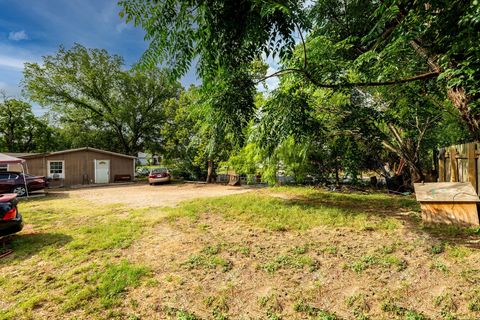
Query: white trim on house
{"points": [[56, 175]]}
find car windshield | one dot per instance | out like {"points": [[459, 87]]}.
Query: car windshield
{"points": [[159, 170]]}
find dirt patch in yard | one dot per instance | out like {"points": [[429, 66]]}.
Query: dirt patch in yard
{"points": [[213, 267], [144, 195]]}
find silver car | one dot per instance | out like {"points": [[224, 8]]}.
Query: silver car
{"points": [[158, 175]]}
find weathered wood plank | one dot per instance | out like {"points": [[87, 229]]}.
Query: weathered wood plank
{"points": [[453, 165], [472, 166], [441, 169], [445, 192], [464, 214]]}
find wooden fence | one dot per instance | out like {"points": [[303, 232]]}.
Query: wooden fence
{"points": [[460, 163]]}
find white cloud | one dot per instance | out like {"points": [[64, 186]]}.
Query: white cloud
{"points": [[10, 62], [17, 35], [123, 26]]}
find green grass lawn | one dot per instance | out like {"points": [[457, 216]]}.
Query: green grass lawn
{"points": [[71, 258], [277, 253], [284, 209]]}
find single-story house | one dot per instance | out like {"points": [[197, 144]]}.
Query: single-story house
{"points": [[80, 166]]}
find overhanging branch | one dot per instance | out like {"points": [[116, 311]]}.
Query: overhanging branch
{"points": [[309, 77]]}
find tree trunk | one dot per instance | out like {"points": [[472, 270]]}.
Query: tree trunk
{"points": [[436, 170], [458, 96], [210, 172], [460, 100], [337, 178], [416, 173], [409, 153]]}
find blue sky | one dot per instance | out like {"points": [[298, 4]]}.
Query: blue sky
{"points": [[30, 29]]}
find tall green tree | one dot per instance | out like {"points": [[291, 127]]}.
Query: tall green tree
{"points": [[21, 130], [183, 148], [389, 43], [225, 110], [349, 43], [222, 34], [92, 88], [225, 37]]}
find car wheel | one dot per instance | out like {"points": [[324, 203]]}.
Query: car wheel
{"points": [[19, 190]]}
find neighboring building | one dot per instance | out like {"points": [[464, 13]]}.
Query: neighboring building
{"points": [[155, 160], [79, 166], [145, 159], [142, 158]]}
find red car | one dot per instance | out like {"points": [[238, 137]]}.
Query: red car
{"points": [[13, 182], [159, 175], [10, 219]]}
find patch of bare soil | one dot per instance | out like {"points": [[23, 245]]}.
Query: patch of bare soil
{"points": [[144, 195], [214, 267]]}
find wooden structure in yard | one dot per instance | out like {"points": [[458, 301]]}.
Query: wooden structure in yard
{"points": [[460, 163], [448, 202]]}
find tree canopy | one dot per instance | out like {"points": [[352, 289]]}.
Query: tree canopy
{"points": [[91, 88], [348, 43], [222, 34], [361, 83], [21, 130], [355, 75]]}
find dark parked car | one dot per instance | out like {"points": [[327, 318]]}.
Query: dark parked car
{"points": [[10, 220], [13, 182]]}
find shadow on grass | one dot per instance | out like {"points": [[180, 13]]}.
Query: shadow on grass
{"points": [[47, 197], [26, 245], [405, 209], [372, 204]]}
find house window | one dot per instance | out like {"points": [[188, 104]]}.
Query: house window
{"points": [[56, 169], [3, 167]]}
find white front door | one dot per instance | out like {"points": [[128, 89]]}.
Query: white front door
{"points": [[102, 171]]}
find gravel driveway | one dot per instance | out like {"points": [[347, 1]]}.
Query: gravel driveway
{"points": [[144, 195]]}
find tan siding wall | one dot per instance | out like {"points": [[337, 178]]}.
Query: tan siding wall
{"points": [[75, 168], [36, 167], [118, 165], [79, 166]]}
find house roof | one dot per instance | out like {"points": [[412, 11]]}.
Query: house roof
{"points": [[20, 154], [35, 155]]}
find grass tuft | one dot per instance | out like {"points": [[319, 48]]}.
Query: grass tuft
{"points": [[199, 261], [320, 314], [290, 262], [115, 280]]}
